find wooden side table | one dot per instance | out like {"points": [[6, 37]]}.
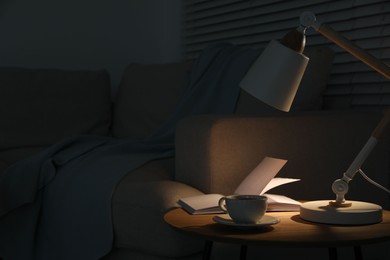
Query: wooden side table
{"points": [[292, 231]]}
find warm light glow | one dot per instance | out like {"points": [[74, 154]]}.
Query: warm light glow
{"points": [[274, 79]]}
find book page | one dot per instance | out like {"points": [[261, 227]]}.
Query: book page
{"points": [[276, 198], [275, 182], [281, 203], [260, 176]]}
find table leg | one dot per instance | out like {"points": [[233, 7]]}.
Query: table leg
{"points": [[244, 249], [332, 253], [358, 253], [208, 246]]}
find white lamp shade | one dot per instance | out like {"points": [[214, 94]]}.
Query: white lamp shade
{"points": [[275, 76]]}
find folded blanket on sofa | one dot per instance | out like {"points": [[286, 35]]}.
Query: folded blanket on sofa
{"points": [[57, 204]]}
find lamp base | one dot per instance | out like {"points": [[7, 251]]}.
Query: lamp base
{"points": [[359, 213]]}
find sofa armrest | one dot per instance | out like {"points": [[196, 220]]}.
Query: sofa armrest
{"points": [[138, 211], [214, 153]]}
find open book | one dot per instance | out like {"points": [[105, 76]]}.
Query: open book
{"points": [[259, 181]]}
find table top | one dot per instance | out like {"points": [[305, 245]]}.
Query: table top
{"points": [[291, 231]]}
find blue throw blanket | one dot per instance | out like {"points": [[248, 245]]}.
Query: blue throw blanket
{"points": [[57, 204]]}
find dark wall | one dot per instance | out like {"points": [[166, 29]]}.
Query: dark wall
{"points": [[89, 34]]}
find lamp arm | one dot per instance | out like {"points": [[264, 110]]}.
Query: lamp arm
{"points": [[340, 186], [308, 19], [354, 50]]}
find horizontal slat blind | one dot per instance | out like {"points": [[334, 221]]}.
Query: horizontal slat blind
{"points": [[254, 23]]}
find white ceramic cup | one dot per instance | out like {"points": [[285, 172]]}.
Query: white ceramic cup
{"points": [[245, 209]]}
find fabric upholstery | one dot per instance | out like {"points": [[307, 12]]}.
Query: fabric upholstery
{"points": [[146, 96], [149, 92], [42, 106], [10, 156], [139, 204], [213, 153], [60, 174]]}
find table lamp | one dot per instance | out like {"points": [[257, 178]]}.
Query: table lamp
{"points": [[274, 79]]}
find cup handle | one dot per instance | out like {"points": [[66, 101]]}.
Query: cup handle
{"points": [[221, 204]]}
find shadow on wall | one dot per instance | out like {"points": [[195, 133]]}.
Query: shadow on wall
{"points": [[4, 5], [89, 34]]}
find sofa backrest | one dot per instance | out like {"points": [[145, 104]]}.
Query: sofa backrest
{"points": [[148, 93], [39, 107], [214, 154], [146, 96]]}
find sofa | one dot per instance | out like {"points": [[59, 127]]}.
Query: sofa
{"points": [[213, 153]]}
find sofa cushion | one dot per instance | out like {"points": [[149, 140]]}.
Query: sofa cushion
{"points": [[42, 106], [146, 96]]}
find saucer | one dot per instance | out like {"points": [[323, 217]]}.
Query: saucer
{"points": [[266, 220]]}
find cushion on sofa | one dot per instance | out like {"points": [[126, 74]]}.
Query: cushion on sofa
{"points": [[146, 96], [42, 106]]}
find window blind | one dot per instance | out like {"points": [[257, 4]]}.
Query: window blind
{"points": [[254, 23]]}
